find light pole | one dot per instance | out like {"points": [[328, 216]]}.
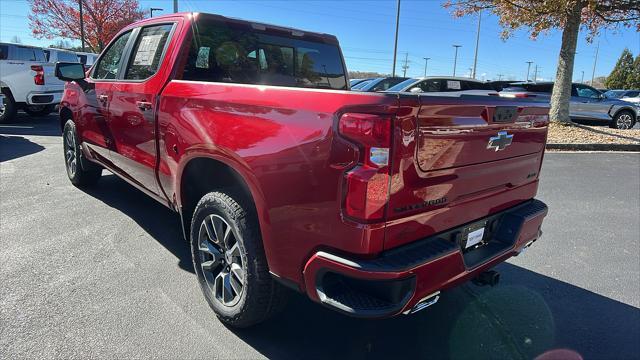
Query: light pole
{"points": [[81, 25], [175, 6], [426, 62], [475, 56], [595, 61], [154, 9], [528, 68], [395, 44], [455, 59], [582, 78]]}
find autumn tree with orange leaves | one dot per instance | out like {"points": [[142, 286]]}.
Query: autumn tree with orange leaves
{"points": [[541, 16], [102, 19]]}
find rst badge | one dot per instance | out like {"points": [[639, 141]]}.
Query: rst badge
{"points": [[500, 142]]}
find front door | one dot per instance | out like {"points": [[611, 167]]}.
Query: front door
{"points": [[586, 103], [133, 107], [93, 122]]}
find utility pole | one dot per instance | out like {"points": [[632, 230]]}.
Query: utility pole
{"points": [[470, 71], [175, 6], [528, 68], [426, 61], [475, 56], [151, 10], [593, 73], [582, 79], [455, 59], [395, 44], [406, 64], [535, 73], [499, 77], [81, 25]]}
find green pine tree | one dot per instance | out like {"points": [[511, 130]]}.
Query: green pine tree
{"points": [[620, 73], [633, 80]]}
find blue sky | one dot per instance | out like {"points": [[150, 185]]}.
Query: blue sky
{"points": [[366, 30]]}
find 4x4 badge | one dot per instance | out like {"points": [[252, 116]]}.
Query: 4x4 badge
{"points": [[500, 142]]}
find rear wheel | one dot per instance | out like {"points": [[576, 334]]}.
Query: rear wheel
{"points": [[8, 111], [80, 171], [624, 120], [39, 110], [230, 264]]}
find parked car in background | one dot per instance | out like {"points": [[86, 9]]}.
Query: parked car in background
{"points": [[87, 59], [27, 81], [626, 95], [586, 103], [499, 85], [436, 84], [354, 82], [282, 178], [361, 84], [379, 84], [54, 55]]}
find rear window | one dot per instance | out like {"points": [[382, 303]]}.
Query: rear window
{"points": [[67, 56], [543, 88], [4, 52], [222, 52], [28, 54]]}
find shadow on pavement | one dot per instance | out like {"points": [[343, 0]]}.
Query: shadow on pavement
{"points": [[12, 147], [526, 315], [157, 220], [27, 125]]}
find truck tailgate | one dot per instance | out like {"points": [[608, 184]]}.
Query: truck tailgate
{"points": [[459, 159]]}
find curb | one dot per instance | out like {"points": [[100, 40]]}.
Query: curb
{"points": [[594, 147]]}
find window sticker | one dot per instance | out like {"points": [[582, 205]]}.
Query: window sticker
{"points": [[147, 49], [453, 85], [202, 61]]}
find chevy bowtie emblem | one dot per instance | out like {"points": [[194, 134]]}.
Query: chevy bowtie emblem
{"points": [[500, 142]]}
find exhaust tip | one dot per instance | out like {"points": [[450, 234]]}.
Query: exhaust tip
{"points": [[424, 303]]}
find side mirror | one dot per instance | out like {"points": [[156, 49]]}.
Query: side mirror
{"points": [[66, 71]]}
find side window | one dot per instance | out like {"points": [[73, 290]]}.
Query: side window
{"points": [[47, 54], [587, 92], [147, 52], [428, 86], [632, 94], [4, 52], [29, 54], [67, 57], [109, 64], [452, 85]]}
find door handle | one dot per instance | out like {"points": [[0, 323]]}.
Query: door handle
{"points": [[103, 98], [143, 105]]}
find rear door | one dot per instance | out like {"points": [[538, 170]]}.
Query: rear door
{"points": [[132, 109]]}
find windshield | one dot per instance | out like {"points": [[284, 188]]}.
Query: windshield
{"points": [[401, 86]]}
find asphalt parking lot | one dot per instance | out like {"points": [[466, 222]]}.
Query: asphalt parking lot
{"points": [[104, 273]]}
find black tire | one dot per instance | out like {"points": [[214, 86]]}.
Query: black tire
{"points": [[623, 120], [260, 296], [10, 108], [81, 172], [39, 110]]}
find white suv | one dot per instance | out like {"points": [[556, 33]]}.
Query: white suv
{"points": [[27, 81]]}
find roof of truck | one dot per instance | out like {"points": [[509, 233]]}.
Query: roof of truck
{"points": [[328, 38]]}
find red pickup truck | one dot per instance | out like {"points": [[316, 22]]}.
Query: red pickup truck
{"points": [[369, 203]]}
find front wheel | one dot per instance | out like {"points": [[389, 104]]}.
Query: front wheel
{"points": [[624, 120], [80, 172], [39, 110], [230, 264]]}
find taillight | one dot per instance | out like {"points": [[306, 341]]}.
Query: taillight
{"points": [[367, 185], [38, 78]]}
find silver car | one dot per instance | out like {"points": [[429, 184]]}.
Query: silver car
{"points": [[586, 103]]}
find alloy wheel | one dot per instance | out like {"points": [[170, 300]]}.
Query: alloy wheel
{"points": [[70, 153], [625, 121], [221, 260]]}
